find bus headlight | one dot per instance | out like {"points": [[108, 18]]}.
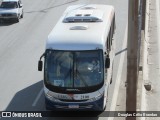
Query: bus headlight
{"points": [[95, 98], [50, 97]]}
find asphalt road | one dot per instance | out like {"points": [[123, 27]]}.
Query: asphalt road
{"points": [[21, 45]]}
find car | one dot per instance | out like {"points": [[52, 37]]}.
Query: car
{"points": [[11, 9]]}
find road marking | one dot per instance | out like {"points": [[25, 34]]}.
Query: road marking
{"points": [[37, 98], [119, 73]]}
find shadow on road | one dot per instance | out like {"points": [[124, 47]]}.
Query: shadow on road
{"points": [[23, 100], [6, 23], [121, 51]]}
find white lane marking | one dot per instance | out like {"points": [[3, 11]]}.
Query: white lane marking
{"points": [[119, 73], [37, 98]]}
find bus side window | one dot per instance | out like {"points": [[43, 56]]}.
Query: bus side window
{"points": [[108, 45], [109, 39], [111, 32]]}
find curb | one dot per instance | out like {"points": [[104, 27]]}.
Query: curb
{"points": [[146, 83], [158, 25], [145, 79]]}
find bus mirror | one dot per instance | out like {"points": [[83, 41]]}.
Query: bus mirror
{"points": [[107, 63], [40, 65]]}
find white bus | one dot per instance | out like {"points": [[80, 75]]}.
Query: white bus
{"points": [[78, 59]]}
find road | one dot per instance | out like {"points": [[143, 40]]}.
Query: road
{"points": [[21, 45]]}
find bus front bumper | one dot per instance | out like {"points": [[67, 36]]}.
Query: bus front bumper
{"points": [[75, 106]]}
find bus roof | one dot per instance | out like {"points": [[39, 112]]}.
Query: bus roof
{"points": [[82, 27]]}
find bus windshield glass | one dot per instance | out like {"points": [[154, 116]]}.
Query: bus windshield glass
{"points": [[74, 69]]}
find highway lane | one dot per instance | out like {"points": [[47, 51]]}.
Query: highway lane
{"points": [[21, 45]]}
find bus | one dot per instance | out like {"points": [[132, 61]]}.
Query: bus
{"points": [[78, 59]]}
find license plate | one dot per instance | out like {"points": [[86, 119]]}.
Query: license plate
{"points": [[73, 106]]}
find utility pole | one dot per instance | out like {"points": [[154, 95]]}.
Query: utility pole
{"points": [[132, 57], [143, 13]]}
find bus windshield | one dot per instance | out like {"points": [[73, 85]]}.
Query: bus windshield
{"points": [[74, 69]]}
